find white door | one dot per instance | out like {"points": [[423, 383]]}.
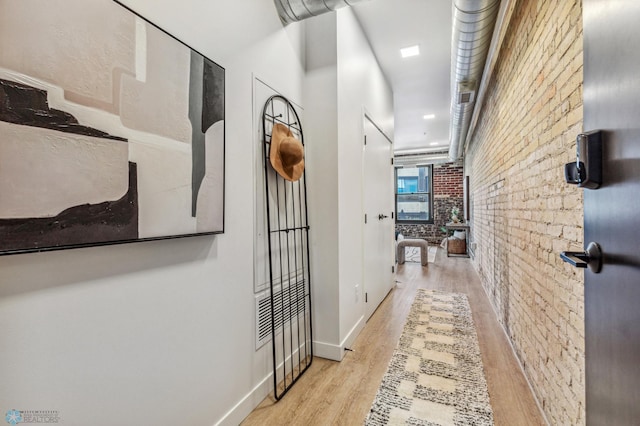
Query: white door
{"points": [[378, 208]]}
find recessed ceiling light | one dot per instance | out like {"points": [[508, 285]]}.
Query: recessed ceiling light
{"points": [[429, 116], [434, 143], [410, 51]]}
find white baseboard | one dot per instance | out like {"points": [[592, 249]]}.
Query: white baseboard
{"points": [[245, 406], [336, 352], [353, 333], [327, 350]]}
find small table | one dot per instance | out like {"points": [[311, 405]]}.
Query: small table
{"points": [[452, 226], [413, 242]]}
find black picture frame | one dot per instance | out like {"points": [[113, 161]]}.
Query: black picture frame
{"points": [[466, 201]]}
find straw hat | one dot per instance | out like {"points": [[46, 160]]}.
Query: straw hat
{"points": [[286, 153]]}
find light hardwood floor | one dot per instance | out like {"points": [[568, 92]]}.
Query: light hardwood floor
{"points": [[341, 393]]}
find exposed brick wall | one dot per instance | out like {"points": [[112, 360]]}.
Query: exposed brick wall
{"points": [[523, 214], [447, 180], [447, 193]]}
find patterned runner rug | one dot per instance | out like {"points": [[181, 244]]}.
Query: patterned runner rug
{"points": [[435, 376]]}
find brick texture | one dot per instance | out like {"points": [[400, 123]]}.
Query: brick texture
{"points": [[523, 214], [447, 194]]}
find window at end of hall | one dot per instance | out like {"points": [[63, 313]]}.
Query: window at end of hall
{"points": [[414, 201]]}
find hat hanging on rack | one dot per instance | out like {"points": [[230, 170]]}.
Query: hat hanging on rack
{"points": [[286, 153]]}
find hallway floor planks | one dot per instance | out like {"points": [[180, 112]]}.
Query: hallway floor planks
{"points": [[341, 393]]}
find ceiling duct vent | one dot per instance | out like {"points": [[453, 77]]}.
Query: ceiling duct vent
{"points": [[414, 160], [466, 92], [473, 25], [298, 10]]}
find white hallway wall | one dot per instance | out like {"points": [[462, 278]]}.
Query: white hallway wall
{"points": [[343, 80], [157, 333], [361, 87], [321, 132]]}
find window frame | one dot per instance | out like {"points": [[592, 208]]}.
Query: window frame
{"points": [[429, 194]]}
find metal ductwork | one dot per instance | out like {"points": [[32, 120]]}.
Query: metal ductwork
{"points": [[298, 10], [473, 24], [420, 159]]}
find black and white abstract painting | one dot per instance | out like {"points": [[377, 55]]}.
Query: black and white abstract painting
{"points": [[111, 130]]}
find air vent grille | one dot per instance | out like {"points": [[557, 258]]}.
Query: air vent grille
{"points": [[288, 304], [466, 92], [465, 97]]}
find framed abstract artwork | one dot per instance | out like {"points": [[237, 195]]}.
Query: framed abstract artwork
{"points": [[111, 130]]}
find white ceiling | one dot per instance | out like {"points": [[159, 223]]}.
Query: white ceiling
{"points": [[421, 83]]}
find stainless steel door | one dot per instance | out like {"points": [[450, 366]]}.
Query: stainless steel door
{"points": [[612, 212]]}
